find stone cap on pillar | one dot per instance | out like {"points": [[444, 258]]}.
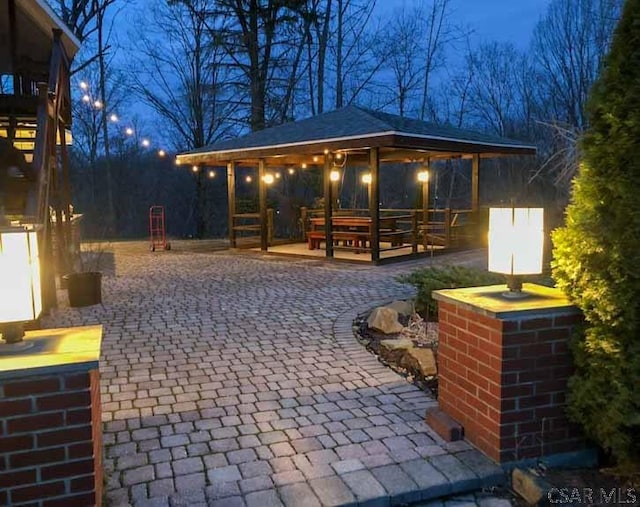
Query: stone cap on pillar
{"points": [[489, 301], [71, 349]]}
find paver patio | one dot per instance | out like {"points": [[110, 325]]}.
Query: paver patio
{"points": [[235, 379]]}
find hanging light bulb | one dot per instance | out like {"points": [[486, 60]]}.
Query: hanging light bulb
{"points": [[248, 179], [304, 166], [114, 118], [177, 161], [338, 156], [86, 99], [278, 176], [97, 104], [268, 179], [292, 170], [315, 159], [162, 153], [212, 174], [146, 143], [129, 131], [84, 85], [194, 168]]}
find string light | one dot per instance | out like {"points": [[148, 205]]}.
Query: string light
{"points": [[304, 166], [315, 159], [113, 117], [277, 176], [194, 168], [292, 170], [248, 179], [268, 179], [212, 174]]}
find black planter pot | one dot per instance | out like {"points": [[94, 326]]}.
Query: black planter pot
{"points": [[84, 289]]}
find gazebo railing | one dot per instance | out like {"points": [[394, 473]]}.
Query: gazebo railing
{"points": [[247, 229]]}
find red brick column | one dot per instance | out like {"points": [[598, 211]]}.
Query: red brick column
{"points": [[503, 369], [50, 435]]}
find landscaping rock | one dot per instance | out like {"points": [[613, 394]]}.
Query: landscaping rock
{"points": [[405, 308], [530, 486], [385, 320], [420, 360], [394, 350]]}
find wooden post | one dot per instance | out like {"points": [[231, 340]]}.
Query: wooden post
{"points": [[475, 185], [447, 227], [414, 232], [231, 198], [328, 200], [270, 226], [262, 197], [374, 203], [303, 223]]}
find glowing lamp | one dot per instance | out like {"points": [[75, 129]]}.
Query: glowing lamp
{"points": [[334, 175], [20, 293], [248, 179], [268, 179], [146, 143], [97, 104], [129, 131], [315, 158], [423, 176], [278, 175], [194, 168], [162, 153], [292, 171], [304, 166], [114, 118], [516, 238], [212, 174], [86, 99], [366, 178], [84, 85]]}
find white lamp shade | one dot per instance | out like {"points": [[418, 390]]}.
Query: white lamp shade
{"points": [[516, 237], [20, 291]]}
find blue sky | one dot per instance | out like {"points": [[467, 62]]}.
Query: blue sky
{"points": [[502, 20]]}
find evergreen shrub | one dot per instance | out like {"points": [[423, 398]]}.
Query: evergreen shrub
{"points": [[597, 253]]}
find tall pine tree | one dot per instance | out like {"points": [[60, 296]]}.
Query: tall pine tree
{"points": [[597, 253]]}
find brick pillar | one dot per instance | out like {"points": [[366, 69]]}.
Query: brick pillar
{"points": [[503, 368], [50, 422]]}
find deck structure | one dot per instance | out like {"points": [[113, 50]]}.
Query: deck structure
{"points": [[368, 138], [35, 122]]}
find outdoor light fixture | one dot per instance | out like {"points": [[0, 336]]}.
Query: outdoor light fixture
{"points": [[268, 179], [516, 237], [423, 176], [20, 293], [366, 178]]}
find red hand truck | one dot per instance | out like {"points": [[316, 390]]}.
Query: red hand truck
{"points": [[157, 231]]}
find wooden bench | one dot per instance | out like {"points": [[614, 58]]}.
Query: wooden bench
{"points": [[315, 237]]}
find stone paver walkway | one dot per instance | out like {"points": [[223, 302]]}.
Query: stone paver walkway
{"points": [[235, 379]]}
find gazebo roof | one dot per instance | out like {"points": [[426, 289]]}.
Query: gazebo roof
{"points": [[353, 128]]}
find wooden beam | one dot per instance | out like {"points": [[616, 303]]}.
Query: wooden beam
{"points": [[328, 202], [231, 200], [374, 203], [475, 183], [262, 197]]}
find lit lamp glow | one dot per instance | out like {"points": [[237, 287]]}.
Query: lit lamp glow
{"points": [[334, 175], [20, 292], [423, 176], [268, 179], [366, 178], [516, 237]]}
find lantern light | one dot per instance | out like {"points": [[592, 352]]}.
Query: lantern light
{"points": [[334, 175], [516, 239], [366, 178], [20, 291], [423, 176]]}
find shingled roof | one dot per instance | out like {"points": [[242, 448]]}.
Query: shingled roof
{"points": [[354, 127]]}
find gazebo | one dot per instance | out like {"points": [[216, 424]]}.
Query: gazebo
{"points": [[367, 138]]}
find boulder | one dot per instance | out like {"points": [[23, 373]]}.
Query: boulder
{"points": [[420, 360], [405, 308], [394, 350], [385, 320]]}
